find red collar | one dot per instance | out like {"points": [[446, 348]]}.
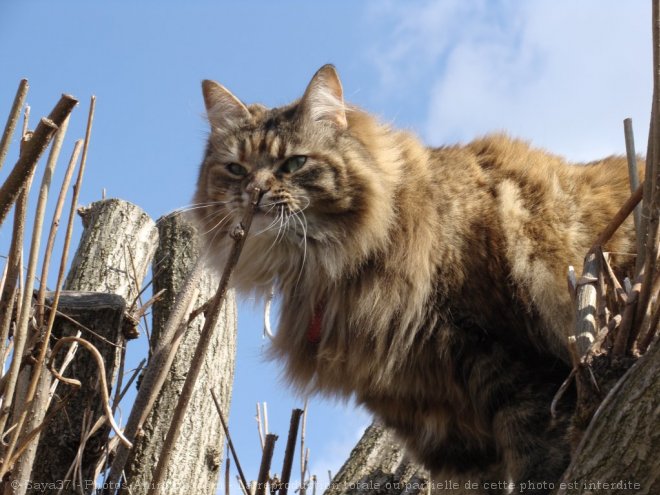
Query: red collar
{"points": [[314, 330]]}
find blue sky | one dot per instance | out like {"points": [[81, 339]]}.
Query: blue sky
{"points": [[560, 73]]}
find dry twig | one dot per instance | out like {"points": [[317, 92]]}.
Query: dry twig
{"points": [[30, 155], [266, 460], [102, 379], [45, 265], [296, 414], [242, 479], [36, 372], [12, 119], [239, 235]]}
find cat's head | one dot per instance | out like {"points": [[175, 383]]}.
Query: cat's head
{"points": [[326, 197]]}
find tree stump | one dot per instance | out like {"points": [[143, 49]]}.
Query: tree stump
{"points": [[378, 465], [195, 463], [112, 229]]}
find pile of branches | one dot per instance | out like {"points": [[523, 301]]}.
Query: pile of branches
{"points": [[20, 317], [617, 320]]}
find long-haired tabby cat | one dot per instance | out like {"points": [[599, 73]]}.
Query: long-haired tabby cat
{"points": [[429, 283]]}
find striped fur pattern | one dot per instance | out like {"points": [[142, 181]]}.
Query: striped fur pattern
{"points": [[441, 272]]}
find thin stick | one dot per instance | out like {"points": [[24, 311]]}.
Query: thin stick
{"points": [[29, 157], [227, 474], [560, 393], [245, 490], [622, 339], [144, 307], [266, 460], [11, 292], [40, 212], [633, 175], [66, 361], [134, 375], [120, 379], [12, 119], [645, 342], [3, 280], [621, 294], [105, 398], [652, 194], [265, 418], [243, 480], [24, 317], [260, 429], [648, 327], [239, 235], [83, 327], [296, 414], [303, 464], [25, 166], [33, 434], [620, 216], [157, 369], [36, 371], [602, 312], [25, 133], [45, 265]]}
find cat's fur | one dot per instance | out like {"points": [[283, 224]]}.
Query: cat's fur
{"points": [[439, 274]]}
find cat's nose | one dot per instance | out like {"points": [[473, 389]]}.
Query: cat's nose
{"points": [[260, 180]]}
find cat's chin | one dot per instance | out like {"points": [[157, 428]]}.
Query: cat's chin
{"points": [[263, 223]]}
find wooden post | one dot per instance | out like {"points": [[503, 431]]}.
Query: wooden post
{"points": [[112, 229], [195, 463]]}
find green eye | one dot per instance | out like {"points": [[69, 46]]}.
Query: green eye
{"points": [[237, 169], [293, 164]]}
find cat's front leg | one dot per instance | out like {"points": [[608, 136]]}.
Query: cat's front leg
{"points": [[535, 446]]}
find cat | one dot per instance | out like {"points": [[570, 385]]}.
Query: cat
{"points": [[428, 283]]}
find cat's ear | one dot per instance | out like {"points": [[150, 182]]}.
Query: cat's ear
{"points": [[223, 109], [324, 98]]}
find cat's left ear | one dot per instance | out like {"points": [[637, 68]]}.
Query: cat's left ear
{"points": [[324, 98]]}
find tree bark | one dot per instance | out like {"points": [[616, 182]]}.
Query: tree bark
{"points": [[118, 236], [622, 442], [378, 465], [195, 463], [59, 442], [112, 229]]}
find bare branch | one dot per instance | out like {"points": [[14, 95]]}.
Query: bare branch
{"points": [[45, 265], [239, 235], [12, 119], [23, 321], [266, 460], [296, 414], [10, 295], [243, 480], [29, 157]]}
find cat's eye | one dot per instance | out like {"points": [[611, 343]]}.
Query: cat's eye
{"points": [[293, 164], [237, 169]]}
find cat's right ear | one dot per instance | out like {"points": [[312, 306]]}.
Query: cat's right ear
{"points": [[324, 98], [223, 109]]}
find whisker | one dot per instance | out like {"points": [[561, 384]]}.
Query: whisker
{"points": [[195, 206]]}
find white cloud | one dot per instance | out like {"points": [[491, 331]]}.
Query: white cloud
{"points": [[563, 74]]}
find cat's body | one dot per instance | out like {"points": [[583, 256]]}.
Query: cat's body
{"points": [[428, 283]]}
